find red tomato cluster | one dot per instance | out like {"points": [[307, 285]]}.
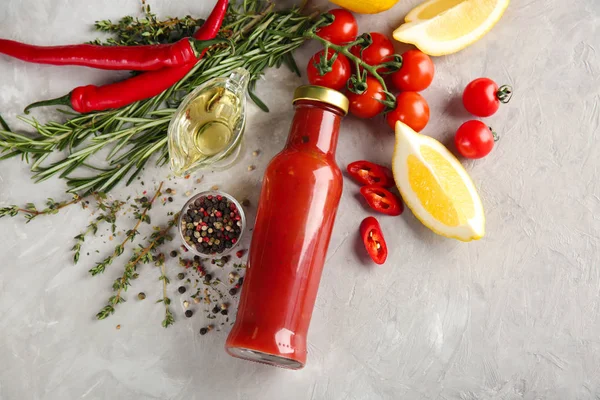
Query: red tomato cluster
{"points": [[415, 75]]}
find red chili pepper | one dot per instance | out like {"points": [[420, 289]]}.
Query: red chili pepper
{"points": [[90, 98], [372, 237], [368, 173], [136, 58], [382, 200]]}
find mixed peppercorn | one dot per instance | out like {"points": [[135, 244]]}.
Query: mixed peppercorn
{"points": [[211, 224], [210, 293]]}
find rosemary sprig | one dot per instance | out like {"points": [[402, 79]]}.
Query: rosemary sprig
{"points": [[30, 210], [110, 216], [140, 255], [141, 216], [261, 36]]}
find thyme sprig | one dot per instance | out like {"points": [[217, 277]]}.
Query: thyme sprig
{"points": [[30, 210], [262, 37], [169, 319], [109, 216], [140, 255], [130, 31], [141, 216]]}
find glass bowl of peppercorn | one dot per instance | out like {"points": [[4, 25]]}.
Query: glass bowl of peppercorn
{"points": [[211, 223]]}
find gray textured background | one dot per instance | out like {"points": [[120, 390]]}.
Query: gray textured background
{"points": [[513, 316]]}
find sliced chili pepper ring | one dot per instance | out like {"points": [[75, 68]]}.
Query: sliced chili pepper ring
{"points": [[382, 200], [368, 173], [372, 237]]}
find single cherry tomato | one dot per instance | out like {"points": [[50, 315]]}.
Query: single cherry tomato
{"points": [[378, 52], [474, 139], [382, 200], [368, 173], [369, 103], [416, 73], [482, 97], [412, 109], [334, 79], [342, 30], [372, 237]]}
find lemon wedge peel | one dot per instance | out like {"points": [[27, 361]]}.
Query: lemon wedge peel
{"points": [[409, 146], [441, 27], [365, 6]]}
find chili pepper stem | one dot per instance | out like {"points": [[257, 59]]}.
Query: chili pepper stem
{"points": [[59, 101], [199, 46]]}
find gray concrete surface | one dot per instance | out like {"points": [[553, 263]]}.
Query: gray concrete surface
{"points": [[513, 316]]}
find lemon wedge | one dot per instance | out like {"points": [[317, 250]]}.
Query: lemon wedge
{"points": [[436, 187], [440, 27]]}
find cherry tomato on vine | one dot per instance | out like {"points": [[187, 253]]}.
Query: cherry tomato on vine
{"points": [[343, 29], [482, 97], [416, 73], [368, 104], [412, 109], [474, 139], [377, 52], [334, 79]]}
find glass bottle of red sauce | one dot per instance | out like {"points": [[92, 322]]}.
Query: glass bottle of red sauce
{"points": [[301, 191]]}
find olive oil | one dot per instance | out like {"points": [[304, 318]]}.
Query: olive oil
{"points": [[207, 128]]}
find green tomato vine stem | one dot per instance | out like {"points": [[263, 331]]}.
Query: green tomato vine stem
{"points": [[360, 64]]}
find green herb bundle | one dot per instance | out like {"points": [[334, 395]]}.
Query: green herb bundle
{"points": [[261, 37]]}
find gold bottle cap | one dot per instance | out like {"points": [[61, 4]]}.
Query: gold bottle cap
{"points": [[322, 94]]}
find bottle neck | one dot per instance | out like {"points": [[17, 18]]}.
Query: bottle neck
{"points": [[315, 127]]}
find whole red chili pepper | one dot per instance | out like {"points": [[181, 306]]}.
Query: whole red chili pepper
{"points": [[372, 237], [382, 200], [368, 173], [90, 98], [136, 58]]}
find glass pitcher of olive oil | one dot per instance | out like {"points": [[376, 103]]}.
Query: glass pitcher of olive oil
{"points": [[206, 130]]}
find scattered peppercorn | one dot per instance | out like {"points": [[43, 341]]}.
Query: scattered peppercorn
{"points": [[245, 202], [141, 295], [216, 309], [173, 253], [203, 331], [169, 191], [189, 313], [181, 289], [180, 276], [207, 277], [233, 291], [224, 312], [170, 199]]}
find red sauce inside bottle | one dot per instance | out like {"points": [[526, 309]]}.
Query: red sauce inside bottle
{"points": [[301, 191]]}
